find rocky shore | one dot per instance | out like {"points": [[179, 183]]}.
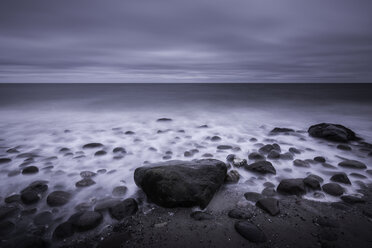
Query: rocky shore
{"points": [[274, 196]]}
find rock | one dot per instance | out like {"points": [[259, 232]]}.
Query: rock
{"points": [[129, 133], [340, 178], [215, 138], [301, 163], [43, 218], [100, 153], [320, 159], [30, 170], [64, 230], [58, 198], [12, 150], [352, 164], [256, 156], [252, 196], [224, 147], [268, 191], [203, 126], [14, 173], [64, 149], [5, 160], [268, 148], [87, 174], [164, 120], [286, 156], [181, 183], [291, 187], [32, 193], [6, 228], [270, 205], [7, 211], [352, 199], [207, 155], [279, 130], [230, 157], [92, 145], [240, 214], [262, 167], [344, 147], [13, 198], [332, 132], [357, 175], [294, 150], [86, 220], [313, 181], [250, 232], [86, 182], [119, 191], [199, 215], [106, 203], [119, 150], [232, 176], [273, 154], [124, 209], [333, 189], [328, 166]]}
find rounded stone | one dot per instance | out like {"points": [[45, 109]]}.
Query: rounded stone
{"points": [[58, 198]]}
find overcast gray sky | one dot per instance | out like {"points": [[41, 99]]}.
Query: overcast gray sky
{"points": [[185, 41]]}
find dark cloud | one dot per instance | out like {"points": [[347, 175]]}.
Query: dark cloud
{"points": [[185, 41]]}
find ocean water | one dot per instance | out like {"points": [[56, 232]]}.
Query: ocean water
{"points": [[43, 118]]}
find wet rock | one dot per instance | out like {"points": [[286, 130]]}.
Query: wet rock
{"points": [[237, 162], [166, 157], [333, 189], [106, 203], [352, 199], [87, 174], [164, 120], [7, 211], [256, 156], [124, 209], [119, 191], [215, 138], [313, 181], [6, 228], [268, 191], [207, 155], [5, 160], [224, 147], [352, 164], [101, 171], [268, 148], [32, 193], [92, 145], [332, 132], [129, 133], [250, 232], [232, 176], [301, 163], [181, 183], [294, 150], [340, 178], [320, 159], [270, 205], [294, 186], [328, 166], [273, 154], [357, 175], [262, 167], [344, 147], [86, 182], [203, 126], [286, 156], [119, 150], [12, 150], [100, 153], [14, 173], [188, 154], [58, 198], [43, 218], [64, 230], [86, 220], [279, 130], [230, 157], [30, 170], [252, 196], [199, 215], [240, 214], [13, 199], [64, 149]]}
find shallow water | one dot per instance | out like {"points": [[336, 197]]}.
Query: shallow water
{"points": [[42, 119]]}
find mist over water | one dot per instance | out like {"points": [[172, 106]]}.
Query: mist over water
{"points": [[42, 119]]}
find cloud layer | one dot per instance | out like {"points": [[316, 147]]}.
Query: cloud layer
{"points": [[185, 41]]}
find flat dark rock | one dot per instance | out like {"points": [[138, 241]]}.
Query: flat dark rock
{"points": [[30, 170], [199, 215], [119, 191], [240, 214], [332, 132], [278, 130], [344, 147], [333, 189], [250, 232], [294, 186], [5, 160], [270, 205], [86, 220], [32, 193], [87, 174], [351, 199], [252, 196], [58, 198], [301, 163], [119, 150], [320, 159], [256, 156], [224, 147], [100, 153], [352, 164], [340, 178], [181, 183], [268, 148], [262, 167], [86, 182], [164, 120], [92, 145], [123, 209]]}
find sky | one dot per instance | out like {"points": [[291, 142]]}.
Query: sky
{"points": [[130, 41]]}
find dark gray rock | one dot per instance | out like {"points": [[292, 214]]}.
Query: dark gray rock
{"points": [[100, 153], [119, 191], [12, 150], [119, 150], [124, 209], [352, 199], [252, 196], [86, 182], [87, 174], [357, 175], [266, 149], [5, 160], [313, 181], [129, 133], [92, 145], [164, 120], [279, 130], [332, 132], [286, 156], [106, 203], [270, 205], [268, 191], [294, 186], [16, 198], [207, 155], [294, 150], [30, 170], [215, 138], [274, 154], [344, 147], [86, 220], [43, 218], [320, 159], [340, 178], [199, 215], [32, 193], [352, 164], [240, 214], [232, 176], [224, 147], [250, 232], [58, 198], [333, 189], [181, 183], [301, 163], [262, 167], [256, 156]]}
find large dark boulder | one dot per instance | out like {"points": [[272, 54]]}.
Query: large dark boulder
{"points": [[178, 183], [332, 132]]}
